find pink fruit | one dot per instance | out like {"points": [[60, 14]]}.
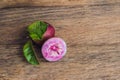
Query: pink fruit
{"points": [[49, 33], [54, 49]]}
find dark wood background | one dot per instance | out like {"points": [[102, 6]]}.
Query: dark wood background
{"points": [[91, 29]]}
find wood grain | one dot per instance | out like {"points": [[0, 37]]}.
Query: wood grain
{"points": [[92, 34], [18, 3]]}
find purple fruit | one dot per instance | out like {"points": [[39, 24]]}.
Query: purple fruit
{"points": [[49, 33], [54, 49]]}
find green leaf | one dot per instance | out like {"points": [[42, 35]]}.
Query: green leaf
{"points": [[34, 36], [37, 29], [29, 53]]}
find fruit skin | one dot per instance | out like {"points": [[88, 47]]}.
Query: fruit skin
{"points": [[49, 33], [54, 49]]}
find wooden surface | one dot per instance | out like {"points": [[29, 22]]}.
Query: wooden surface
{"points": [[91, 31], [18, 3]]}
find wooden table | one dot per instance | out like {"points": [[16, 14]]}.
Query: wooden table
{"points": [[91, 29]]}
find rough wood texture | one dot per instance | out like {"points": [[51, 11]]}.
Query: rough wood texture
{"points": [[16, 3], [92, 34]]}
